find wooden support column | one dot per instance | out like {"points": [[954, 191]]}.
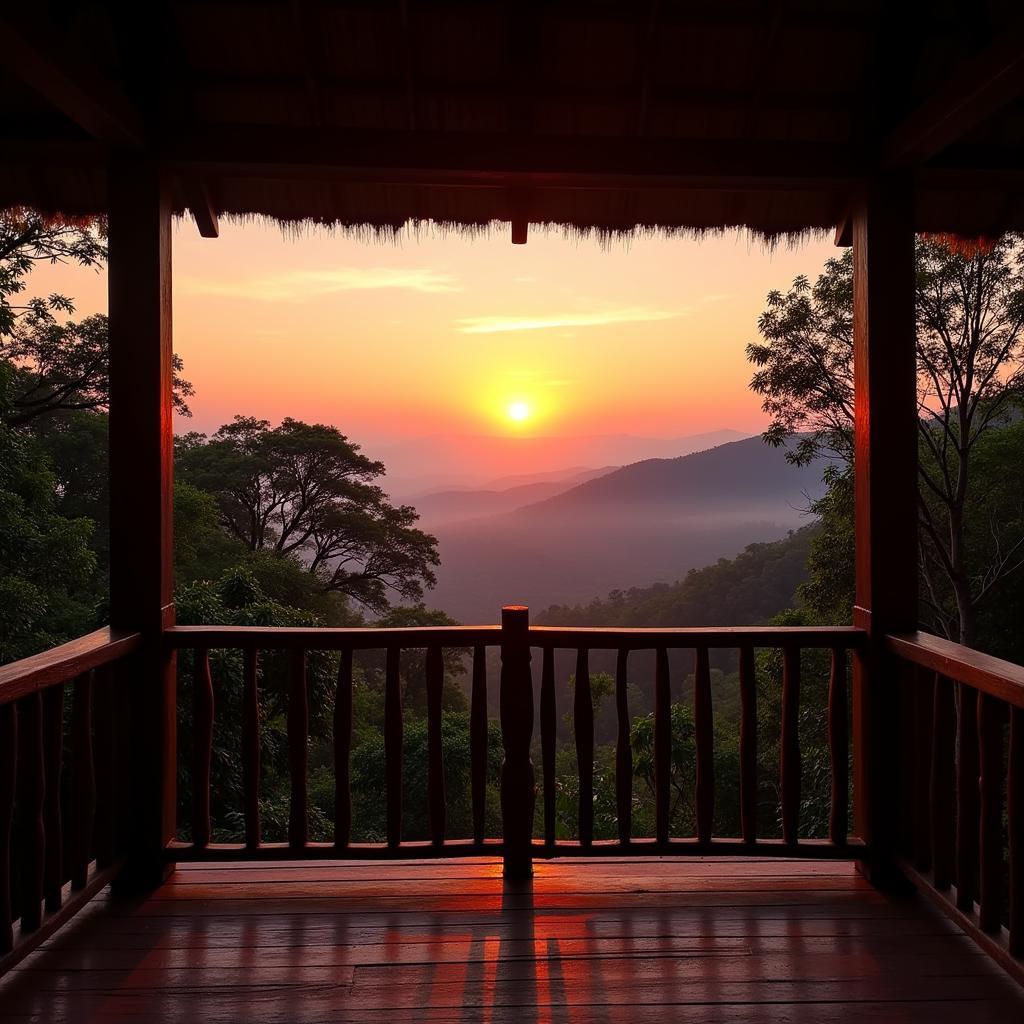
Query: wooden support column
{"points": [[885, 472], [141, 450]]}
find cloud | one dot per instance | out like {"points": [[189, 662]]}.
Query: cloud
{"points": [[543, 322], [296, 285]]}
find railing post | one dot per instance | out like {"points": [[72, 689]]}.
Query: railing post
{"points": [[518, 786]]}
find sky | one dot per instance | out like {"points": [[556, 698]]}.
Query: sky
{"points": [[440, 334]]}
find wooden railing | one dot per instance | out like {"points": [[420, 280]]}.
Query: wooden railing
{"points": [[65, 825], [60, 785], [963, 723], [517, 640]]}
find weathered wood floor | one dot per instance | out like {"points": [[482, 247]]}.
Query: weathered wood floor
{"points": [[637, 941]]}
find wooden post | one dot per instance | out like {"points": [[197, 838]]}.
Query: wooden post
{"points": [[518, 785], [885, 481], [141, 452]]}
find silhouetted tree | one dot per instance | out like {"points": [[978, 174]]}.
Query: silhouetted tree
{"points": [[305, 489], [28, 238], [970, 349], [65, 366]]}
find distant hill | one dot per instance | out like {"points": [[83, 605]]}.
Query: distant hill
{"points": [[749, 590], [446, 462], [744, 478], [648, 522], [571, 476], [459, 504]]}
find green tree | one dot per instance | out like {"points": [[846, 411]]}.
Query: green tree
{"points": [[970, 353], [305, 489], [46, 564], [64, 366], [28, 238]]}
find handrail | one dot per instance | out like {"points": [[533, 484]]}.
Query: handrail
{"points": [[964, 834], [615, 638], [63, 793], [323, 638], [983, 672], [593, 638], [514, 639], [59, 664]]}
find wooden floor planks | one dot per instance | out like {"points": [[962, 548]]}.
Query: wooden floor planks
{"points": [[643, 940]]}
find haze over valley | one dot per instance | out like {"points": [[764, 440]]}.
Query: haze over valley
{"points": [[563, 541]]}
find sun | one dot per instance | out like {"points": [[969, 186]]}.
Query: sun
{"points": [[518, 411]]}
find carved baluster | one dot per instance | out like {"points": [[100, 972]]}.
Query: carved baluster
{"points": [[32, 795], [943, 782], [748, 746], [83, 780], [990, 757], [107, 749], [548, 734], [202, 747], [251, 746], [838, 748], [298, 754], [967, 813], [583, 726], [393, 745], [623, 751], [478, 741], [435, 747], [53, 751], [342, 752], [704, 729], [662, 745], [790, 745], [8, 785], [1015, 816]]}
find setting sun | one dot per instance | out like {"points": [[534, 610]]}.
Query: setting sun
{"points": [[518, 411]]}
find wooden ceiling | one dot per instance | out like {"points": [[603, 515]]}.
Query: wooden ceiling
{"points": [[588, 114]]}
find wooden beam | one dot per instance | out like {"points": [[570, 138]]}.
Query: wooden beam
{"points": [[141, 472], [646, 49], [409, 64], [499, 160], [197, 198], [981, 88], [720, 99], [93, 104], [886, 495]]}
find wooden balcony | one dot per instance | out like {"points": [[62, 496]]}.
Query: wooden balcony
{"points": [[519, 926], [650, 939]]}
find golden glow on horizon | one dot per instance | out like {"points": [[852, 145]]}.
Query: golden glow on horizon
{"points": [[518, 411], [440, 334]]}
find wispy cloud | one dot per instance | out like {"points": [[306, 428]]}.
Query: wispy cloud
{"points": [[296, 285], [543, 322]]}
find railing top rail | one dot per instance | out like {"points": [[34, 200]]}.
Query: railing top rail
{"points": [[595, 638], [1001, 679], [614, 638], [59, 664], [325, 638]]}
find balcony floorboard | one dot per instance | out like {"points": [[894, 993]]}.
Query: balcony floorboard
{"points": [[633, 941]]}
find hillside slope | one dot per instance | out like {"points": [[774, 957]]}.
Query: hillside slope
{"points": [[645, 523]]}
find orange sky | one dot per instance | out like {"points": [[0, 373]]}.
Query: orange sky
{"points": [[439, 334]]}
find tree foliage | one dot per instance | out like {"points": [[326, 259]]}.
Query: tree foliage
{"points": [[28, 238], [970, 357], [45, 558], [306, 490]]}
